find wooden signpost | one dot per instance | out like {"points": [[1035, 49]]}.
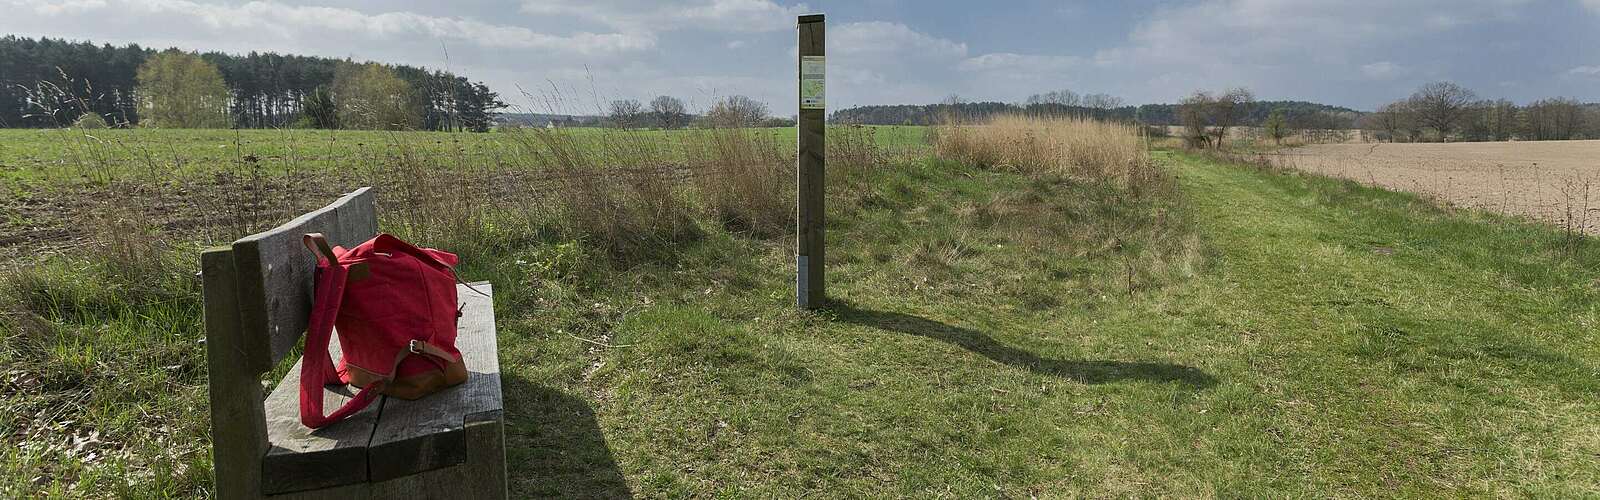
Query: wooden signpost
{"points": [[812, 161]]}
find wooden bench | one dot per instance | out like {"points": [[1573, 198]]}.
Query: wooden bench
{"points": [[257, 302]]}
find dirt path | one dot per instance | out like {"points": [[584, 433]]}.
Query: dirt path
{"points": [[1555, 181]]}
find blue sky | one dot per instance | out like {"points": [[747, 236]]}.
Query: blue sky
{"points": [[572, 55]]}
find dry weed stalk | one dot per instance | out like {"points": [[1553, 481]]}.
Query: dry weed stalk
{"points": [[619, 188], [745, 178], [852, 150]]}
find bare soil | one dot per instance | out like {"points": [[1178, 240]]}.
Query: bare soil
{"points": [[39, 221], [1553, 181]]}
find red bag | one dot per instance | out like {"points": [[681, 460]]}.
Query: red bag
{"points": [[396, 311]]}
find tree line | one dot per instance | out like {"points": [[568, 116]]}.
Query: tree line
{"points": [[668, 112], [969, 112], [1096, 106], [1440, 111], [50, 83], [1446, 111]]}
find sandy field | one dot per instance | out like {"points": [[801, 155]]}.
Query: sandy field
{"points": [[1555, 181]]}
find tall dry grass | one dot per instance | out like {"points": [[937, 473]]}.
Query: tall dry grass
{"points": [[853, 151], [1096, 185], [745, 178], [621, 190], [1077, 147]]}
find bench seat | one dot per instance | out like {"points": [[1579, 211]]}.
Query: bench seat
{"points": [[393, 439]]}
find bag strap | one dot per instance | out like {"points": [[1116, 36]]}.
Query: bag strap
{"points": [[316, 366]]}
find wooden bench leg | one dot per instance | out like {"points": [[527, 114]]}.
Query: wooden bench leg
{"points": [[488, 462], [483, 476]]}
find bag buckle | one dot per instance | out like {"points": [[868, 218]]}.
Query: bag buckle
{"points": [[415, 347]]}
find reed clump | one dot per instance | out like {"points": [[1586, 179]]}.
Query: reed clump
{"points": [[1077, 147]]}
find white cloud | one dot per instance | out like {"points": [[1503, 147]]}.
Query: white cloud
{"points": [[61, 7], [879, 37], [645, 16], [291, 21], [1353, 52], [1224, 29], [1382, 70], [878, 62], [1285, 47], [1005, 61], [886, 62]]}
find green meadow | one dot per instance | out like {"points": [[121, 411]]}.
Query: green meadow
{"points": [[44, 157], [1223, 331]]}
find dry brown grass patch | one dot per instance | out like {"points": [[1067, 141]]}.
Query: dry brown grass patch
{"points": [[745, 179], [1081, 148]]}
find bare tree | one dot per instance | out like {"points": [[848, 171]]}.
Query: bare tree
{"points": [[1393, 120], [1491, 120], [1062, 97], [737, 111], [1591, 120], [1554, 120], [1441, 106], [1206, 117], [669, 112], [1227, 110], [1195, 114], [1102, 101], [625, 113]]}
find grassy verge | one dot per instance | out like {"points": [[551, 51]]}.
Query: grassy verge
{"points": [[1237, 332], [1380, 345], [1334, 339], [82, 326]]}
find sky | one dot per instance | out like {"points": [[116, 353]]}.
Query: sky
{"points": [[571, 56]]}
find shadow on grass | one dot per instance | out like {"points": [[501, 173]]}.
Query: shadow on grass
{"points": [[1085, 371], [554, 446]]}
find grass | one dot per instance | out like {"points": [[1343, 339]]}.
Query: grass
{"points": [[214, 186], [40, 158], [1227, 332], [1390, 347]]}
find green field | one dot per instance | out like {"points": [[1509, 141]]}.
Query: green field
{"points": [[1243, 333], [46, 157]]}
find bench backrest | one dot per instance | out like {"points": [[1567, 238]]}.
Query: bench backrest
{"points": [[275, 274], [257, 304]]}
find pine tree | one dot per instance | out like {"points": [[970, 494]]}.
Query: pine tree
{"points": [[320, 110], [51, 83]]}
